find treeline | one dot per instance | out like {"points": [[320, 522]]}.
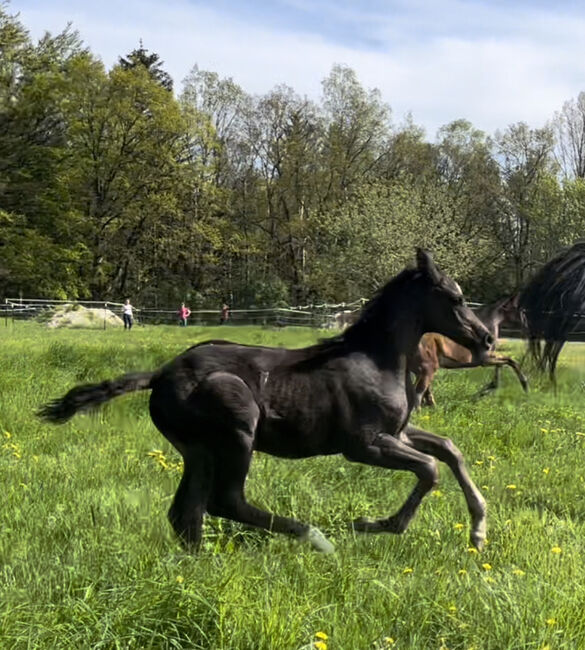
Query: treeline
{"points": [[113, 184]]}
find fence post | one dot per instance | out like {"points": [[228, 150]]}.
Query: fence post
{"points": [[105, 313]]}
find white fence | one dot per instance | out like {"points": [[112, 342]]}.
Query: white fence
{"points": [[323, 315]]}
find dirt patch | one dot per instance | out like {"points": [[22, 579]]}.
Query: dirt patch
{"points": [[79, 317]]}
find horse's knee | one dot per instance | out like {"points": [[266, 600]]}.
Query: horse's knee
{"points": [[428, 473], [453, 450]]}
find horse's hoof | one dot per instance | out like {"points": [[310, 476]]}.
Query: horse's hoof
{"points": [[362, 525], [477, 539], [318, 541]]}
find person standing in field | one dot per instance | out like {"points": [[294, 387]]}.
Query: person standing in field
{"points": [[127, 315], [225, 314], [184, 313]]}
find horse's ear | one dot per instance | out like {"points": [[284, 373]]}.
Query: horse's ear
{"points": [[425, 263]]}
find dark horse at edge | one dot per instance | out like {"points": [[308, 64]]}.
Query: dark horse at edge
{"points": [[218, 402]]}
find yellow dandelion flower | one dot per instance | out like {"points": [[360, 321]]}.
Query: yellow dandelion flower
{"points": [[518, 572], [479, 462], [511, 486], [7, 434], [472, 550], [389, 640], [408, 570], [321, 635], [486, 566], [459, 526], [556, 550], [180, 579], [491, 458], [551, 621], [544, 430], [546, 470], [462, 572], [452, 608], [320, 645], [437, 493]]}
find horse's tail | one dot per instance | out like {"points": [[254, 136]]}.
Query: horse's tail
{"points": [[88, 396]]}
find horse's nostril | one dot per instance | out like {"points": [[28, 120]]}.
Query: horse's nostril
{"points": [[488, 340]]}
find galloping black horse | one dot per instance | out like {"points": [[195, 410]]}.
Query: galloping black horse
{"points": [[219, 401]]}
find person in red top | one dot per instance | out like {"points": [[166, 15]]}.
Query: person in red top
{"points": [[184, 313]]}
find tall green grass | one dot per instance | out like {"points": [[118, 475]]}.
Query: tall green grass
{"points": [[88, 560]]}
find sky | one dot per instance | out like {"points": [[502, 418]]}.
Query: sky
{"points": [[492, 62]]}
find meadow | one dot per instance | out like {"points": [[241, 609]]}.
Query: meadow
{"points": [[88, 559]]}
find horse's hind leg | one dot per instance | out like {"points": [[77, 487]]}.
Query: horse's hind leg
{"points": [[236, 418], [190, 502], [444, 450], [228, 500]]}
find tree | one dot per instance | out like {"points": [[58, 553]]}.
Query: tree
{"points": [[127, 140], [357, 131], [569, 126], [527, 169], [151, 62], [41, 253]]}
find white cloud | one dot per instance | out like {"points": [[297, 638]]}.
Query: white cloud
{"points": [[493, 64]]}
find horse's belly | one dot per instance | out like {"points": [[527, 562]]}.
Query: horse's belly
{"points": [[279, 437]]}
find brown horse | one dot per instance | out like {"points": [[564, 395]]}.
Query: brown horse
{"points": [[437, 351], [218, 402]]}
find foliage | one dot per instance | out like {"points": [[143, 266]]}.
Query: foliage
{"points": [[110, 185]]}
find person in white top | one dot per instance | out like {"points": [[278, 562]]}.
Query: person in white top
{"points": [[127, 314]]}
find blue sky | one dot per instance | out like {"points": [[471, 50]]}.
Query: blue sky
{"points": [[493, 62]]}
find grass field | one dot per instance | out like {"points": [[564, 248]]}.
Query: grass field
{"points": [[88, 559]]}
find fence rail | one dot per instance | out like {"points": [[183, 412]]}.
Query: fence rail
{"points": [[323, 315]]}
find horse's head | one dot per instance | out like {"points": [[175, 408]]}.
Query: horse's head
{"points": [[443, 309], [510, 311]]}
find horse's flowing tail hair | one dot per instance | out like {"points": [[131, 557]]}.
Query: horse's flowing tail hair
{"points": [[553, 304], [90, 396]]}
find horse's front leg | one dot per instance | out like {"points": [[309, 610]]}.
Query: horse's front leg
{"points": [[445, 450], [387, 451]]}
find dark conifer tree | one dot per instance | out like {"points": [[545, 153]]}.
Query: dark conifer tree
{"points": [[150, 61]]}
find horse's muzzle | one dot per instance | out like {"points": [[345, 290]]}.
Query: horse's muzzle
{"points": [[488, 341]]}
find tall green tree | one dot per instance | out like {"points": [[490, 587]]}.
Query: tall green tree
{"points": [[528, 170], [127, 140]]}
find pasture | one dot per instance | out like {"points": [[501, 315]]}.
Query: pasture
{"points": [[89, 560]]}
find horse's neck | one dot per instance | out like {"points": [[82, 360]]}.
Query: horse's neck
{"points": [[392, 345]]}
